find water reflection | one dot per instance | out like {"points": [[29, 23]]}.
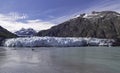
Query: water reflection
{"points": [[2, 56], [60, 60]]}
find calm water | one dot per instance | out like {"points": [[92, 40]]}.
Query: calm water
{"points": [[60, 60]]}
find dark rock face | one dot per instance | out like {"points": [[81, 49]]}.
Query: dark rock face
{"points": [[1, 39], [117, 42], [105, 24], [6, 34]]}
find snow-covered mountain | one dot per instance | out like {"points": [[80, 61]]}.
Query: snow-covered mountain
{"points": [[26, 32], [104, 24], [95, 14]]}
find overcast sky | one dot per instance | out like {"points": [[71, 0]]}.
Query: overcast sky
{"points": [[43, 14]]}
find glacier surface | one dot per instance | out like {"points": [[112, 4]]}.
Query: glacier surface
{"points": [[56, 42]]}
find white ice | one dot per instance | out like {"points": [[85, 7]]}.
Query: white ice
{"points": [[56, 42]]}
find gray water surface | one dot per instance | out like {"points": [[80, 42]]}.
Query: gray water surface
{"points": [[60, 60]]}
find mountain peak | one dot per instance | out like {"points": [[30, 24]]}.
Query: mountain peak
{"points": [[26, 32], [104, 24], [95, 14]]}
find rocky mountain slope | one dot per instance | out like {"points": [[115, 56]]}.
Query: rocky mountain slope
{"points": [[105, 24], [6, 34]]}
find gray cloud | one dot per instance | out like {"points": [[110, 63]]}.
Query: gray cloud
{"points": [[9, 21]]}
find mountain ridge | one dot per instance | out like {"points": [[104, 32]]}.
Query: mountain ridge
{"points": [[104, 24], [26, 32], [4, 33]]}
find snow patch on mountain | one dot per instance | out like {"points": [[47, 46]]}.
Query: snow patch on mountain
{"points": [[26, 32], [95, 14]]}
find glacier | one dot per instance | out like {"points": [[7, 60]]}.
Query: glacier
{"points": [[56, 42]]}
